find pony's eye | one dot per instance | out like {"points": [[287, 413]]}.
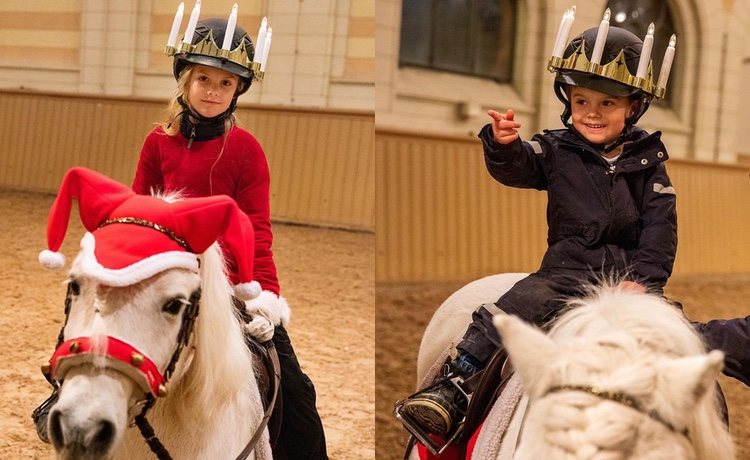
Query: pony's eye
{"points": [[74, 287], [173, 306]]}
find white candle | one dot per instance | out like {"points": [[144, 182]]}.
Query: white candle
{"points": [[559, 34], [562, 38], [648, 43], [229, 33], [601, 39], [176, 25], [666, 64], [259, 42], [190, 31], [266, 47]]}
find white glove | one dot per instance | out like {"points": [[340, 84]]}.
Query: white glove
{"points": [[259, 327], [270, 306]]}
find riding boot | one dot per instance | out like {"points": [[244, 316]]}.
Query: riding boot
{"points": [[438, 408], [40, 416]]}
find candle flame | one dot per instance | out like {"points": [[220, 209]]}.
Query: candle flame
{"points": [[181, 7], [650, 29], [234, 8], [606, 15], [673, 40]]}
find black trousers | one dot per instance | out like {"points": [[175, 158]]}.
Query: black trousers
{"points": [[536, 298], [302, 434]]}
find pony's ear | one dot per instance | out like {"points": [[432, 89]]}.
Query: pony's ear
{"points": [[688, 379], [529, 349]]}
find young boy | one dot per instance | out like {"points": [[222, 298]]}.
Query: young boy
{"points": [[611, 207]]}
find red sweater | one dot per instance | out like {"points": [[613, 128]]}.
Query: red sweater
{"points": [[166, 164]]}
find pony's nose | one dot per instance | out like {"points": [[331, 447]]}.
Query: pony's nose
{"points": [[89, 439]]}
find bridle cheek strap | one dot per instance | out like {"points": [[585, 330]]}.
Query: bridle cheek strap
{"points": [[117, 355]]}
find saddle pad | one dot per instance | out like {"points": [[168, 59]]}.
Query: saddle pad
{"points": [[495, 431]]}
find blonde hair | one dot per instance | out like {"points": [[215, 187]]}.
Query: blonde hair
{"points": [[175, 111]]}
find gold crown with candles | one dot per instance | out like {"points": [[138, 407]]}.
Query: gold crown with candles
{"points": [[252, 67], [617, 68]]}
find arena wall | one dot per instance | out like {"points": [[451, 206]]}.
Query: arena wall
{"points": [[321, 161], [441, 217]]}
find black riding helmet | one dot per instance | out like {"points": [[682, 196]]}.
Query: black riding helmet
{"points": [[618, 40], [217, 28]]}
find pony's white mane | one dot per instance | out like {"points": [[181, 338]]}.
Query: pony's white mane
{"points": [[631, 332], [221, 364]]}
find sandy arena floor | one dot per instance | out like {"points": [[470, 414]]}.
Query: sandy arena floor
{"points": [[404, 311], [326, 276]]}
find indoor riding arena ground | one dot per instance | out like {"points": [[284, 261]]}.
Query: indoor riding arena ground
{"points": [[326, 275], [404, 311]]}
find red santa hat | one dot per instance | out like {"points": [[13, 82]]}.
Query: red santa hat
{"points": [[132, 237]]}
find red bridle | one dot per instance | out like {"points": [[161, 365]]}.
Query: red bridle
{"points": [[119, 355]]}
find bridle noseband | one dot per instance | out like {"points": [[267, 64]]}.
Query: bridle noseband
{"points": [[620, 398]]}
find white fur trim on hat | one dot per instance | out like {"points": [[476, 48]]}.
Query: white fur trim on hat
{"points": [[247, 291], [135, 273], [51, 259], [271, 306]]}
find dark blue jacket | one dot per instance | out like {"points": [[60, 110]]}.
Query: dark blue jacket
{"points": [[617, 217]]}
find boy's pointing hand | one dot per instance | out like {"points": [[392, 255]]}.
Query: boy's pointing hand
{"points": [[504, 128]]}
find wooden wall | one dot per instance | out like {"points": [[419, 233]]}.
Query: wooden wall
{"points": [[321, 160], [441, 217]]}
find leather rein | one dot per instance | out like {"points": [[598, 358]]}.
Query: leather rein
{"points": [[127, 359]]}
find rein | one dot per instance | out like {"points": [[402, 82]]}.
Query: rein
{"points": [[620, 398], [137, 366]]}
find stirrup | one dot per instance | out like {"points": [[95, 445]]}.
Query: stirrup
{"points": [[420, 433]]}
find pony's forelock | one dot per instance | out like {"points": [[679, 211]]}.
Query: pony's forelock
{"points": [[170, 196]]}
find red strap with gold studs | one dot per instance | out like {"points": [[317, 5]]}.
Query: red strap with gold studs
{"points": [[118, 355]]}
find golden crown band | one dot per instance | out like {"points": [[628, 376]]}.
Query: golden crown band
{"points": [[615, 70], [208, 47]]}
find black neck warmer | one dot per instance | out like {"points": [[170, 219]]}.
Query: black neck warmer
{"points": [[196, 127]]}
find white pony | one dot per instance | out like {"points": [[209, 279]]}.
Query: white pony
{"points": [[212, 405], [620, 376]]}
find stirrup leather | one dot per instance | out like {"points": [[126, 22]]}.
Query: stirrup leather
{"points": [[418, 432]]}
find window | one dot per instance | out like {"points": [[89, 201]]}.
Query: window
{"points": [[635, 16], [473, 37]]}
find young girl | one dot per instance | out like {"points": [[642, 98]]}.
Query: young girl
{"points": [[611, 208], [200, 151]]}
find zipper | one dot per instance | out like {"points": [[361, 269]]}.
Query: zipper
{"points": [[192, 137]]}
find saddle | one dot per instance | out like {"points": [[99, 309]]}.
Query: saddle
{"points": [[265, 367], [488, 385]]}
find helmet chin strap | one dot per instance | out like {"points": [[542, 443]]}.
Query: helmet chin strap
{"points": [[604, 148]]}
